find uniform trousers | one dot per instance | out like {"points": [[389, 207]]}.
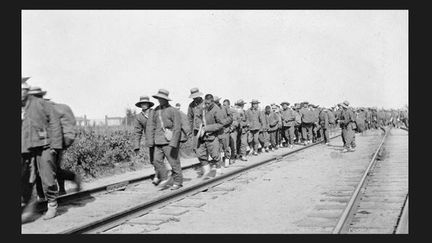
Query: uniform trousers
{"points": [[288, 134], [253, 139], [348, 135], [264, 139], [273, 137], [208, 147], [172, 155], [233, 143], [307, 131]]}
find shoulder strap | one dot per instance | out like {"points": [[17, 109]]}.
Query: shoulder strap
{"points": [[160, 118]]}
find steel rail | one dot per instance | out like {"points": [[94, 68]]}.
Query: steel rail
{"points": [[120, 217], [343, 220], [402, 224]]}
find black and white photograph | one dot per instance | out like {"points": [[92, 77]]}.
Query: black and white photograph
{"points": [[177, 121]]}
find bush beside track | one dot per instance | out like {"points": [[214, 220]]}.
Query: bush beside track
{"points": [[104, 151]]}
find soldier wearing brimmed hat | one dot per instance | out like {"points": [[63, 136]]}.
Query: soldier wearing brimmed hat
{"points": [[253, 118], [288, 124], [297, 127], [347, 123], [141, 128], [68, 128], [164, 131], [41, 138], [243, 130], [194, 114]]}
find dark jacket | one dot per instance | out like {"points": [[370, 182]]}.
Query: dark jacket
{"points": [[288, 117], [347, 117], [140, 127], [172, 121], [41, 125], [324, 118], [273, 120], [194, 114], [214, 121], [227, 118], [307, 115], [253, 118], [67, 122], [235, 125], [244, 126], [185, 127]]}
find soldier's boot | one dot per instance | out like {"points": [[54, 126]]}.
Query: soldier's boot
{"points": [[242, 158], [226, 162], [52, 211], [206, 172], [231, 161]]}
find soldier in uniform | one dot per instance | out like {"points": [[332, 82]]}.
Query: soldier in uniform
{"points": [[141, 128], [68, 123], [41, 139], [308, 118], [208, 142], [361, 120], [253, 118], [224, 133], [232, 130], [346, 120], [264, 137], [194, 113], [273, 119], [243, 130], [288, 124], [297, 127], [164, 131], [324, 120]]}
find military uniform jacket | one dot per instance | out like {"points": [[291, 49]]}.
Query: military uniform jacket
{"points": [[40, 126], [140, 127], [361, 118], [244, 126], [324, 118], [185, 127], [265, 121], [253, 118], [288, 117], [227, 118], [316, 112], [236, 120], [307, 115], [273, 120], [67, 121], [214, 120], [194, 114], [346, 118], [172, 121]]}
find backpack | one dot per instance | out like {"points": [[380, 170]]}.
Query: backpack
{"points": [[68, 123], [332, 119]]}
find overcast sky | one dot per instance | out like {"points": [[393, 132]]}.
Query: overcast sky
{"points": [[100, 61]]}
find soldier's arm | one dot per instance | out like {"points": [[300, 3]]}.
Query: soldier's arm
{"points": [[190, 117], [54, 126], [218, 116], [175, 140], [150, 129], [138, 130]]}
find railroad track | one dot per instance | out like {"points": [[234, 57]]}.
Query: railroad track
{"points": [[113, 220], [379, 203]]}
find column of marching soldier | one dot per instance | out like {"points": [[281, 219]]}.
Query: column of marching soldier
{"points": [[220, 134]]}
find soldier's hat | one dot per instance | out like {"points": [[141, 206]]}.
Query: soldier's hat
{"points": [[345, 104], [255, 101], [163, 94], [216, 98], [195, 93], [240, 102], [285, 102], [144, 99], [35, 90]]}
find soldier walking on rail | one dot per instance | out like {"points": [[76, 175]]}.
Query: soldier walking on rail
{"points": [[288, 124], [41, 139], [141, 128], [253, 119], [347, 121], [68, 123], [208, 142], [224, 133], [164, 136], [308, 118], [243, 129]]}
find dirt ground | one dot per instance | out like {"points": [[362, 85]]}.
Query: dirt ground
{"points": [[279, 197]]}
